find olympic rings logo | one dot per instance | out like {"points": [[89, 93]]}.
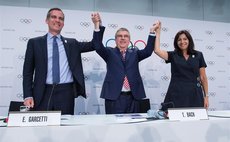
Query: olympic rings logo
{"points": [[211, 62], [19, 76], [111, 39], [114, 26], [165, 78], [189, 30], [20, 57], [165, 45], [139, 27], [163, 94], [209, 47], [141, 41], [228, 34], [212, 78], [83, 113], [84, 40], [24, 39], [19, 95], [26, 21], [209, 32], [86, 77], [213, 94], [85, 24], [130, 46], [85, 59], [211, 109], [164, 29]]}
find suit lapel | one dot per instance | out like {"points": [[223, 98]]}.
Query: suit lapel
{"points": [[128, 54], [44, 49], [118, 53], [66, 46]]}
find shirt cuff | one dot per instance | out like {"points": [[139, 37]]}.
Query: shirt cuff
{"points": [[97, 30], [152, 34], [28, 98]]}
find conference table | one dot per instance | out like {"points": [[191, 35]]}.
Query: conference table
{"points": [[113, 128]]}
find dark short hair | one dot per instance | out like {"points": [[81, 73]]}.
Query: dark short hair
{"points": [[49, 12], [191, 46]]}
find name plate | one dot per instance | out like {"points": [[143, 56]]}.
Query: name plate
{"points": [[34, 118], [184, 114]]}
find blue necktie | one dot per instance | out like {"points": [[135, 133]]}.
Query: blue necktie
{"points": [[55, 69]]}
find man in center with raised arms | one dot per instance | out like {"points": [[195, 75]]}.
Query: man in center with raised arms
{"points": [[123, 87]]}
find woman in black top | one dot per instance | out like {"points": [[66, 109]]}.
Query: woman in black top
{"points": [[188, 86]]}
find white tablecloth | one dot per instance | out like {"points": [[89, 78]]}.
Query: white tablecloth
{"points": [[108, 128]]}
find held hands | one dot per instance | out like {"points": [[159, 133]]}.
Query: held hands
{"points": [[96, 19], [156, 27]]}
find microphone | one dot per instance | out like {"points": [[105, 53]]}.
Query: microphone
{"points": [[156, 114], [165, 106], [51, 94]]}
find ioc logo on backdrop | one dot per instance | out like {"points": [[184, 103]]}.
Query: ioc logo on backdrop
{"points": [[139, 27], [84, 40], [164, 45], [25, 21], [212, 94], [86, 77], [164, 29], [228, 34], [211, 62], [85, 24], [19, 95], [24, 39], [210, 47], [163, 94], [85, 59], [113, 26], [209, 32], [165, 78], [211, 78], [19, 76], [21, 57]]}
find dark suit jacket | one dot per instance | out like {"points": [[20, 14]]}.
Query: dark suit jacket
{"points": [[117, 69], [35, 65]]}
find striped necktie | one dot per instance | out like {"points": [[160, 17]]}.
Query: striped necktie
{"points": [[126, 82]]}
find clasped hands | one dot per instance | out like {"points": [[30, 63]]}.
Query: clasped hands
{"points": [[96, 19]]}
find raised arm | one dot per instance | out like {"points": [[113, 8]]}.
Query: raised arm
{"points": [[96, 20], [161, 53], [98, 35]]}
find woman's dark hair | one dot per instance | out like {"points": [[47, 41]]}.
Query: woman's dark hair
{"points": [[191, 45]]}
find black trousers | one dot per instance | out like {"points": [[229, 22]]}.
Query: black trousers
{"points": [[58, 97], [124, 104]]}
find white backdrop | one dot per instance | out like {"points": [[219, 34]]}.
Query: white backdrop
{"points": [[18, 24]]}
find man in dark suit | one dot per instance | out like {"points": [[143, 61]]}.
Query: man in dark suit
{"points": [[50, 86], [123, 87]]}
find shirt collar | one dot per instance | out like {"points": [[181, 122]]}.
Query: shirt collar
{"points": [[50, 36]]}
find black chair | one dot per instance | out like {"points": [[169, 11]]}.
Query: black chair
{"points": [[144, 105], [15, 106]]}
